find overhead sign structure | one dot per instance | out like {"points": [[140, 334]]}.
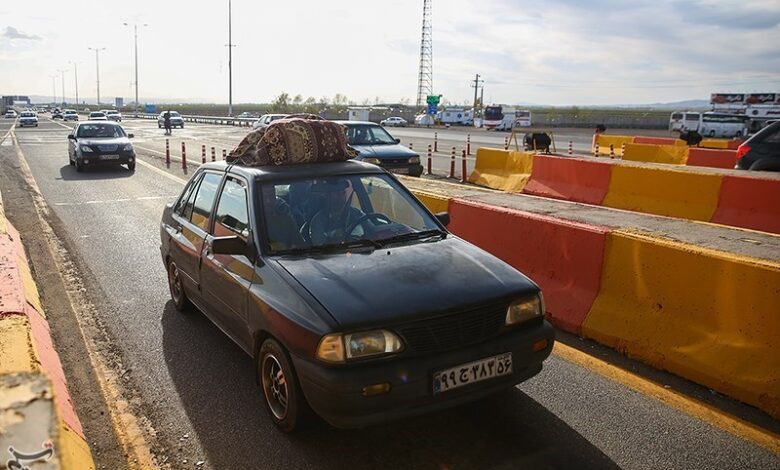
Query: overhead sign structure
{"points": [[119, 102], [433, 99], [150, 109]]}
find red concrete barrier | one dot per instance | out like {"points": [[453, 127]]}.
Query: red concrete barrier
{"points": [[656, 140], [570, 179], [712, 158], [750, 203], [563, 257]]}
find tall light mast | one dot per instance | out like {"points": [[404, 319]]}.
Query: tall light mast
{"points": [[425, 79]]}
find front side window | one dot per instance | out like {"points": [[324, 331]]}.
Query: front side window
{"points": [[331, 212], [232, 216], [184, 206], [368, 135], [204, 201]]}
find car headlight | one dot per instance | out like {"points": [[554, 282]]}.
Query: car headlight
{"points": [[522, 311], [85, 149], [414, 159], [128, 148], [373, 161], [337, 348]]}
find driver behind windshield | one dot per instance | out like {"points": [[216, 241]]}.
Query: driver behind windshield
{"points": [[334, 222]]}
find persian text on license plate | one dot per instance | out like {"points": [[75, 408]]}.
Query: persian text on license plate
{"points": [[472, 372], [109, 157]]}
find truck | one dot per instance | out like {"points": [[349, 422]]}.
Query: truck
{"points": [[459, 116]]}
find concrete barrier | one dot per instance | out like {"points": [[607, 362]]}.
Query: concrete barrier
{"points": [[663, 191], [649, 153], [32, 381], [604, 141], [578, 180], [501, 169], [712, 158], [709, 316], [434, 202], [730, 144], [659, 141], [563, 257], [749, 202]]}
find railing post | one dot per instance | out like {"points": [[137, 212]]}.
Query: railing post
{"points": [[213, 154], [463, 167], [430, 163], [183, 157], [452, 163]]}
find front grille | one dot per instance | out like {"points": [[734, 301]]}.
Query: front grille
{"points": [[107, 148], [395, 161], [452, 331]]}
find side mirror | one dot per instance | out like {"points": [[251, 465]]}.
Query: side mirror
{"points": [[130, 136], [443, 218], [397, 141], [71, 137], [228, 246]]}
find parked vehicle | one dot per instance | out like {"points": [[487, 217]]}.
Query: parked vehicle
{"points": [[70, 115], [378, 147], [266, 119], [28, 118], [175, 117], [710, 124], [307, 268], [762, 150], [94, 143], [395, 121], [457, 116]]}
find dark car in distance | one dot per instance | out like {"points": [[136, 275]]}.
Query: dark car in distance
{"points": [[761, 151], [95, 143], [353, 300], [378, 147]]}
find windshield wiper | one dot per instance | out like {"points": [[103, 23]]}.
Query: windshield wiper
{"points": [[363, 242], [413, 236]]}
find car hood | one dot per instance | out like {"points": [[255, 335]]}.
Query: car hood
{"points": [[384, 151], [405, 283], [104, 141]]}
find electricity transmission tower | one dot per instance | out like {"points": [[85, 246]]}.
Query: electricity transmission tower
{"points": [[425, 81]]}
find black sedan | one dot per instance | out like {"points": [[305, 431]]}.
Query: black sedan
{"points": [[352, 299], [761, 151], [100, 143]]}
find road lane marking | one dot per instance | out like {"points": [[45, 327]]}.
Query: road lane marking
{"points": [[161, 172], [131, 431], [669, 397], [113, 201]]}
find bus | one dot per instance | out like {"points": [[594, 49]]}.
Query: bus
{"points": [[723, 125], [681, 121], [493, 117], [505, 118]]}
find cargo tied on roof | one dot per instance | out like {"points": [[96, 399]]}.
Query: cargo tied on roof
{"points": [[294, 140]]}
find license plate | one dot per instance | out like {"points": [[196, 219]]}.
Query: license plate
{"points": [[472, 372], [400, 171], [109, 157]]}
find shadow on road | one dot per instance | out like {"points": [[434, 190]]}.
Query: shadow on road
{"points": [[215, 382], [69, 173]]}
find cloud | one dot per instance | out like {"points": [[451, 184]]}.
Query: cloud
{"points": [[13, 33], [736, 16]]}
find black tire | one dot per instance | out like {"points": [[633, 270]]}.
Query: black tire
{"points": [[70, 161], [180, 301], [79, 166], [739, 133], [131, 166], [159, 126], [282, 393], [712, 133]]}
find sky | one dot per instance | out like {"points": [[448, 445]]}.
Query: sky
{"points": [[557, 52]]}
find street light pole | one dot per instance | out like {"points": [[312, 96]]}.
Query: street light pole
{"points": [[135, 34], [62, 73], [76, 80], [230, 59], [97, 66], [53, 90]]}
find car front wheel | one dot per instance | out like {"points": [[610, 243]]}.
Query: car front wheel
{"points": [[283, 397]]}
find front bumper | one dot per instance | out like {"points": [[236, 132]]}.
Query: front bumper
{"points": [[28, 123], [335, 393], [411, 169], [122, 158]]}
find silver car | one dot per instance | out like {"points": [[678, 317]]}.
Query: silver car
{"points": [[114, 115], [175, 117], [266, 119], [97, 116]]}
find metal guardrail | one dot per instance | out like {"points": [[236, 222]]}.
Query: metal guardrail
{"points": [[223, 120]]}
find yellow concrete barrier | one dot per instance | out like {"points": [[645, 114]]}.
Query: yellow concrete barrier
{"points": [[715, 143], [506, 170], [16, 347], [604, 141], [663, 191], [670, 154], [706, 315], [434, 202]]}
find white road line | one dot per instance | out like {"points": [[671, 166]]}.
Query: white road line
{"points": [[114, 201], [161, 172]]}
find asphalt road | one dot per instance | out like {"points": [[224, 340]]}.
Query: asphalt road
{"points": [[197, 389]]}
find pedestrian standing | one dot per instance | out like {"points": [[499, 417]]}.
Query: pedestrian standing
{"points": [[167, 122]]}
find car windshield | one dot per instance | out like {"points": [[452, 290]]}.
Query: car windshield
{"points": [[174, 114], [28, 115], [70, 112], [113, 112], [341, 212], [96, 114], [368, 134], [100, 131]]}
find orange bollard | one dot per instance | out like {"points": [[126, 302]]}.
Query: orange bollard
{"points": [[611, 151], [463, 167], [202, 154], [430, 162], [506, 143], [435, 141], [213, 154], [411, 145], [622, 149], [570, 148], [224, 154], [452, 163], [167, 153], [183, 157], [468, 144]]}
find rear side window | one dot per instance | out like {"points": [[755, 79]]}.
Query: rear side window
{"points": [[204, 201], [773, 135], [232, 216]]}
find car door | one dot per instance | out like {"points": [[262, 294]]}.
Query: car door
{"points": [[226, 279], [189, 230]]}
